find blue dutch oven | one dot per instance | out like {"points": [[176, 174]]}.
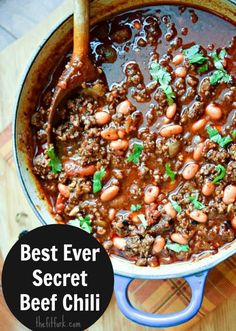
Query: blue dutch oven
{"points": [[57, 42]]}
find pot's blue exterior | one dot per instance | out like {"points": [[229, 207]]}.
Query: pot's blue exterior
{"points": [[197, 284]]}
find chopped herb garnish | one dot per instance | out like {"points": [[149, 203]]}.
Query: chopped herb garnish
{"points": [[217, 138], [203, 68], [170, 173], [194, 55], [233, 134], [97, 180], [83, 223], [197, 204], [143, 220], [223, 54], [221, 173], [169, 94], [134, 157], [217, 59], [161, 75], [54, 162], [177, 247], [135, 207], [220, 74], [176, 206]]}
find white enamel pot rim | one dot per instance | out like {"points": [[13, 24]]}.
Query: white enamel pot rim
{"points": [[28, 183]]}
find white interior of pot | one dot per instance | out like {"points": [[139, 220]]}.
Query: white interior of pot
{"points": [[22, 156]]}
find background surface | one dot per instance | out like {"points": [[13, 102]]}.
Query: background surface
{"points": [[17, 19]]}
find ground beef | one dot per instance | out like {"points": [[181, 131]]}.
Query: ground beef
{"points": [[133, 74], [214, 153], [232, 152], [205, 88], [193, 112], [139, 246], [161, 99], [231, 172], [39, 118], [41, 165]]}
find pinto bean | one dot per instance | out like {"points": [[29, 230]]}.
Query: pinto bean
{"points": [[121, 133], [179, 238], [171, 130], [74, 211], [180, 72], [111, 214], [102, 117], [119, 243], [124, 107], [214, 112], [233, 222], [198, 216], [73, 169], [151, 193], [158, 245], [166, 120], [170, 210], [197, 154], [199, 124], [190, 171], [60, 206], [87, 171], [109, 134], [136, 219], [171, 111], [208, 188], [110, 193], [63, 189], [229, 194], [178, 59], [119, 145]]}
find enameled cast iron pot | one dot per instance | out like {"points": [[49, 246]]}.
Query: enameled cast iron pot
{"points": [[37, 73]]}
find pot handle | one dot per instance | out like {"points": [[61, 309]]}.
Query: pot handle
{"points": [[197, 284]]}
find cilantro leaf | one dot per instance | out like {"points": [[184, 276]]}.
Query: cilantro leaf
{"points": [[83, 223], [197, 204], [97, 180], [143, 220], [212, 132], [217, 61], [191, 51], [216, 77], [233, 134], [177, 247], [134, 157], [203, 68], [135, 207], [194, 55], [227, 78], [169, 94], [217, 138], [221, 173], [170, 173], [220, 74], [223, 54], [54, 162], [161, 75], [176, 206]]}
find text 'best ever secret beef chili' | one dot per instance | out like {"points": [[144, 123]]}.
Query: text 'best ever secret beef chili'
{"points": [[145, 158]]}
